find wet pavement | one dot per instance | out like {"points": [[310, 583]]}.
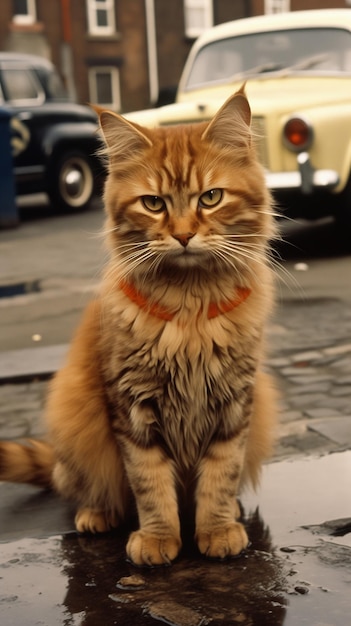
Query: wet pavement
{"points": [[297, 570]]}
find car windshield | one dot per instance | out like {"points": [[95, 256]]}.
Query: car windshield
{"points": [[317, 50]]}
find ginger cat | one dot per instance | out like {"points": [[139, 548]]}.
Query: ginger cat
{"points": [[162, 399]]}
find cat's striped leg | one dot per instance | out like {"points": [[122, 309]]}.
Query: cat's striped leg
{"points": [[151, 476], [218, 533]]}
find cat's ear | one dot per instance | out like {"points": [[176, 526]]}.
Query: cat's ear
{"points": [[123, 138], [230, 127]]}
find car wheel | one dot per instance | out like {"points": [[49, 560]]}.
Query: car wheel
{"points": [[72, 182]]}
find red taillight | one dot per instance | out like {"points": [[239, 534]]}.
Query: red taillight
{"points": [[297, 134]]}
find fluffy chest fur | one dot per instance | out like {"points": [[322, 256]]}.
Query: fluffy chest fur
{"points": [[183, 380]]}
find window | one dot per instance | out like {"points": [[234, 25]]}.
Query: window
{"points": [[101, 17], [24, 11], [104, 87], [55, 86], [21, 86], [198, 15], [276, 6]]}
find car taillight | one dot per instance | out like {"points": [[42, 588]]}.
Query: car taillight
{"points": [[297, 134]]}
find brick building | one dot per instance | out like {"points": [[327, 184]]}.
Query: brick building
{"points": [[120, 53]]}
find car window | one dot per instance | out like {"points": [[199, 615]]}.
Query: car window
{"points": [[322, 50], [21, 86], [55, 87]]}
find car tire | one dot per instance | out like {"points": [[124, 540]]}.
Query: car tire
{"points": [[71, 185]]}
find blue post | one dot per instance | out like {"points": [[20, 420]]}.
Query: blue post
{"points": [[8, 208]]}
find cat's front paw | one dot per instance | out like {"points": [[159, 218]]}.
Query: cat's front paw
{"points": [[89, 520], [146, 549], [222, 542]]}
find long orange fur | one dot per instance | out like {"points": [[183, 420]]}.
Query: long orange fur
{"points": [[157, 409]]}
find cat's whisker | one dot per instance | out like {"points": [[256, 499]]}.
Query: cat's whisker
{"points": [[233, 239], [134, 261], [129, 268], [245, 255], [134, 256], [240, 268], [261, 211], [240, 248], [105, 231], [283, 217], [131, 251], [286, 277], [244, 235], [97, 235], [130, 261], [248, 244], [155, 264], [244, 240], [128, 251], [132, 245], [227, 262]]}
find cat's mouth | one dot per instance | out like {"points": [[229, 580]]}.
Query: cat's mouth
{"points": [[187, 252], [185, 258]]}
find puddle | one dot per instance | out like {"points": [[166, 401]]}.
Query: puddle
{"points": [[52, 581], [296, 572]]}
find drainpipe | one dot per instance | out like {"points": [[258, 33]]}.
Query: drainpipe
{"points": [[66, 49], [151, 50]]}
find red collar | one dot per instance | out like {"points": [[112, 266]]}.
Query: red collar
{"points": [[214, 309]]}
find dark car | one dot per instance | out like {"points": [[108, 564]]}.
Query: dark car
{"points": [[54, 141]]}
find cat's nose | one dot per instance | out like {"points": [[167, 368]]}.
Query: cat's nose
{"points": [[183, 238]]}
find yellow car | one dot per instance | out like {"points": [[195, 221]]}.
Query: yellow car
{"points": [[297, 68]]}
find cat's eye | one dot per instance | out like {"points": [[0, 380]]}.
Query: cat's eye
{"points": [[153, 203], [210, 198]]}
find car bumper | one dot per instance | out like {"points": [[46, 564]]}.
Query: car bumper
{"points": [[306, 178]]}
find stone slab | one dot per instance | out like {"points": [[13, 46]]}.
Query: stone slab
{"points": [[29, 363], [337, 429]]}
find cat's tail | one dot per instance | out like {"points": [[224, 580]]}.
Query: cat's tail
{"points": [[31, 462]]}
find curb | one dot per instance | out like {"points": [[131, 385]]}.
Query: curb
{"points": [[31, 363]]}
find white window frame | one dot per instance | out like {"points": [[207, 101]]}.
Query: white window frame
{"points": [[207, 9], [92, 8], [30, 17], [115, 105], [276, 6]]}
